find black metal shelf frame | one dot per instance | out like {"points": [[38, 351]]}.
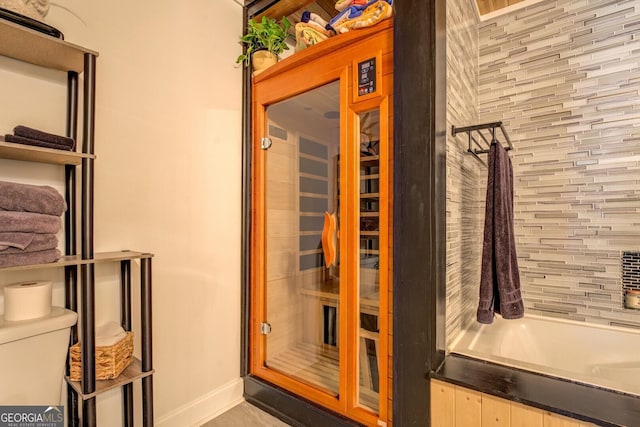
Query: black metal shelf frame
{"points": [[26, 45], [87, 270]]}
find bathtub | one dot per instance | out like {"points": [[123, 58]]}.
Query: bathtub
{"points": [[602, 356]]}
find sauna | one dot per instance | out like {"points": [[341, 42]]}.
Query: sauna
{"points": [[321, 223]]}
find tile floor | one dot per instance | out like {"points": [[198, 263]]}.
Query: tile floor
{"points": [[245, 415]]}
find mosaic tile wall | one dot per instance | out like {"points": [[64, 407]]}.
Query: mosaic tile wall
{"points": [[564, 77], [465, 206]]}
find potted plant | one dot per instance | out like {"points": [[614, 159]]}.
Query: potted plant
{"points": [[264, 41]]}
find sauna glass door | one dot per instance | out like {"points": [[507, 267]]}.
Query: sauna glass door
{"points": [[302, 238], [320, 241]]}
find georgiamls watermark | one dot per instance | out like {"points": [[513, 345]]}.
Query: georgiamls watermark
{"points": [[31, 416]]}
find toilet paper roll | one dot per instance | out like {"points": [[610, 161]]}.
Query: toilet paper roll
{"points": [[27, 300]]}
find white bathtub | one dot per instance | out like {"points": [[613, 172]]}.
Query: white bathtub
{"points": [[602, 356]]}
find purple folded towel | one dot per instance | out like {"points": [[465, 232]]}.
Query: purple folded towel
{"points": [[31, 198], [40, 242], [39, 135], [15, 240], [28, 258], [28, 222], [34, 142]]}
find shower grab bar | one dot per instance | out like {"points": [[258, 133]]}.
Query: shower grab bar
{"points": [[475, 147]]}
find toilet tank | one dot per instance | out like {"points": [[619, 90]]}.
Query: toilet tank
{"points": [[32, 358]]}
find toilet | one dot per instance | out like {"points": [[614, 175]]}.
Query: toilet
{"points": [[32, 358]]}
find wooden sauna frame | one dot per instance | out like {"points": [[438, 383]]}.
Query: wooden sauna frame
{"points": [[334, 59]]}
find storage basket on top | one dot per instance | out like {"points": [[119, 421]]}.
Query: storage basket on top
{"points": [[110, 360]]}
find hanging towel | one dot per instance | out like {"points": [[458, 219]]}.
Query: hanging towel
{"points": [[500, 277], [31, 198]]}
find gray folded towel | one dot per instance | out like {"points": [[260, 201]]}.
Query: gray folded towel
{"points": [[28, 258], [35, 142], [15, 240], [29, 222], [31, 198], [39, 135], [40, 242]]}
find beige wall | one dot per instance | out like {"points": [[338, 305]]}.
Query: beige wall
{"points": [[167, 180]]}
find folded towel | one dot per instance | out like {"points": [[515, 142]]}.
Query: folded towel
{"points": [[15, 240], [109, 334], [315, 26], [40, 242], [31, 198], [29, 222], [317, 22], [34, 142], [308, 34], [355, 17], [343, 4], [39, 135], [310, 17], [28, 258], [350, 13]]}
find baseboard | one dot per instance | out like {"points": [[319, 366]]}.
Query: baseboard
{"points": [[290, 408], [205, 408]]}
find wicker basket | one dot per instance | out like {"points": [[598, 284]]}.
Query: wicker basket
{"points": [[110, 360]]}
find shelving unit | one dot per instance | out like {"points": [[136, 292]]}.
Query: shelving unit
{"points": [[132, 373], [75, 260], [12, 151], [38, 49]]}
